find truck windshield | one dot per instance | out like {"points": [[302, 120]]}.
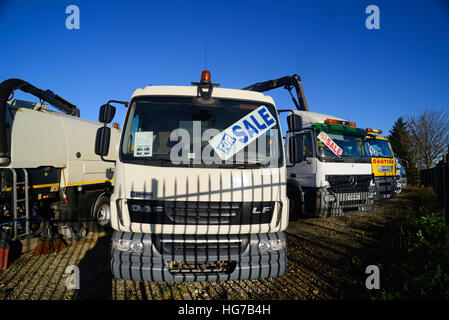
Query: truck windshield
{"points": [[341, 146], [174, 131], [379, 148]]}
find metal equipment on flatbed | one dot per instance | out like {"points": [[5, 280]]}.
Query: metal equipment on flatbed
{"points": [[288, 82], [49, 173]]}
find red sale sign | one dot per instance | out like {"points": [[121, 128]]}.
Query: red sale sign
{"points": [[330, 143]]}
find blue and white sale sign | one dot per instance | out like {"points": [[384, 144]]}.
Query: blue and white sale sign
{"points": [[242, 133]]}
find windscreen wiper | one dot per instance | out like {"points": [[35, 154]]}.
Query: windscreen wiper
{"points": [[337, 159], [156, 160], [362, 158], [243, 165]]}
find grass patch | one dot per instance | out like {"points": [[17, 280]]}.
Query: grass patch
{"points": [[421, 267]]}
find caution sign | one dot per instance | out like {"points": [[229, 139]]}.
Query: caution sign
{"points": [[330, 144]]}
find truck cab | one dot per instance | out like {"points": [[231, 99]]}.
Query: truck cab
{"points": [[328, 167], [200, 189], [383, 163]]}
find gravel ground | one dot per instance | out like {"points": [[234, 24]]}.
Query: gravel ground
{"points": [[324, 262]]}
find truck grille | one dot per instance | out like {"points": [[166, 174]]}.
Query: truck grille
{"points": [[351, 206], [350, 183], [192, 248], [200, 212], [385, 187]]}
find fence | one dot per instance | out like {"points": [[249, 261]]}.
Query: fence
{"points": [[438, 178]]}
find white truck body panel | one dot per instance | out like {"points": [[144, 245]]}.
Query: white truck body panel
{"points": [[45, 138], [192, 92], [215, 185]]}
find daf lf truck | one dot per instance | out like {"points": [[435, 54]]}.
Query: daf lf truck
{"points": [[328, 167], [200, 185]]}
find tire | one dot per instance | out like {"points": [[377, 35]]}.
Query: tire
{"points": [[294, 204], [101, 213]]}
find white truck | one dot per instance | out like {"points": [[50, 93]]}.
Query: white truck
{"points": [[328, 167], [49, 173], [200, 189]]}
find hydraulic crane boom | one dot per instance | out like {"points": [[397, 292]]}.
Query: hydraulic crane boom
{"points": [[58, 102], [288, 82], [9, 86]]}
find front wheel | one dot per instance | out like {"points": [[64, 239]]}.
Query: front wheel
{"points": [[102, 210]]}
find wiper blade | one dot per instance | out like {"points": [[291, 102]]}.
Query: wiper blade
{"points": [[248, 165], [337, 159], [362, 158], [243, 165], [156, 160]]}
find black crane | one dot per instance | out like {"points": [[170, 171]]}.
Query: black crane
{"points": [[288, 82]]}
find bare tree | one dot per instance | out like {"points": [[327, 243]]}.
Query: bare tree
{"points": [[429, 131]]}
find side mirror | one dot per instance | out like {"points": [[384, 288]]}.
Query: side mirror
{"points": [[107, 113], [404, 163], [294, 122], [102, 141]]}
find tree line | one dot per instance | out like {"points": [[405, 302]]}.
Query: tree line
{"points": [[421, 139]]}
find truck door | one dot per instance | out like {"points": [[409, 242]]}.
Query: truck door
{"points": [[305, 170]]}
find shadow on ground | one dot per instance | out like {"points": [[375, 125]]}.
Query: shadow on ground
{"points": [[95, 274], [327, 259]]}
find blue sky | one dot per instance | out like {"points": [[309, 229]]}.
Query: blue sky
{"points": [[368, 76]]}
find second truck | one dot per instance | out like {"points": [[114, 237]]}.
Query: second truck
{"points": [[328, 167]]}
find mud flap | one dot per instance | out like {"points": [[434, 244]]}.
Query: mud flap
{"points": [[4, 250]]}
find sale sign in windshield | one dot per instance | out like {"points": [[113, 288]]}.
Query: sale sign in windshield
{"points": [[330, 143]]}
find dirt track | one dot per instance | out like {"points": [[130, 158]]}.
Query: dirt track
{"points": [[326, 260]]}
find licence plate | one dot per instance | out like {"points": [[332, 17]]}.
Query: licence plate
{"points": [[353, 197]]}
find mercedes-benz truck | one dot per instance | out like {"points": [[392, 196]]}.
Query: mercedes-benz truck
{"points": [[328, 167]]}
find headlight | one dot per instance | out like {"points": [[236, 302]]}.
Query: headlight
{"points": [[371, 192], [277, 245], [124, 245], [329, 198], [272, 245]]}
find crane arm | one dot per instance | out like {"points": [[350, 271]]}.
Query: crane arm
{"points": [[288, 82]]}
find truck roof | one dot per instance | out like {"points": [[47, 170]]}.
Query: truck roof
{"points": [[309, 118], [191, 91], [39, 107]]}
